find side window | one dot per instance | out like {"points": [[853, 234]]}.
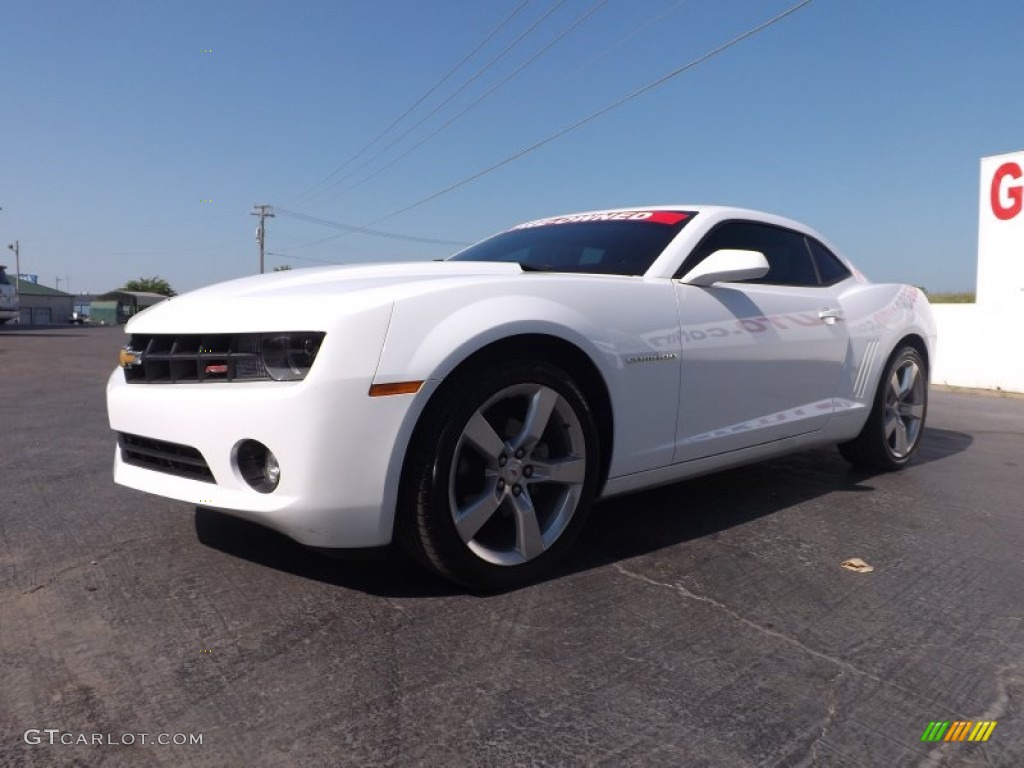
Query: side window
{"points": [[789, 261], [831, 269], [732, 234]]}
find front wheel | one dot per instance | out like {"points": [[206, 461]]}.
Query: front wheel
{"points": [[893, 429], [500, 475]]}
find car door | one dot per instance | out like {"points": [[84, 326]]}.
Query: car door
{"points": [[761, 360]]}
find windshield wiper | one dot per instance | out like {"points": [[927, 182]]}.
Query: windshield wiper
{"points": [[537, 267]]}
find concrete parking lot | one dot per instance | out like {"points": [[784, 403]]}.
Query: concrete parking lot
{"points": [[709, 623]]}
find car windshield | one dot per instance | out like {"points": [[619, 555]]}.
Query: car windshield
{"points": [[621, 243]]}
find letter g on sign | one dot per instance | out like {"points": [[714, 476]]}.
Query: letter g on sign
{"points": [[1003, 209]]}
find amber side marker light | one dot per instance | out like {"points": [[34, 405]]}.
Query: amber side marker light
{"points": [[398, 388], [126, 359]]}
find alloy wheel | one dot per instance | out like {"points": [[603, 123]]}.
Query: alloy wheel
{"points": [[904, 408], [517, 474]]}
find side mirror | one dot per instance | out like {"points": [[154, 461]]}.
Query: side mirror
{"points": [[727, 266]]}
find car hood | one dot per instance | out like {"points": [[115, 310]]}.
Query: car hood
{"points": [[306, 299]]}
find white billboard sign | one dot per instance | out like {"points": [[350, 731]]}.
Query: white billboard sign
{"points": [[1001, 231]]}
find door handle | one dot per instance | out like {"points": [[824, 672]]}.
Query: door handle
{"points": [[831, 316]]}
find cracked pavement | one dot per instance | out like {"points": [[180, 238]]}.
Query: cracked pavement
{"points": [[707, 623]]}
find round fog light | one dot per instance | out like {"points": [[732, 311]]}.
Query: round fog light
{"points": [[258, 466], [271, 469]]}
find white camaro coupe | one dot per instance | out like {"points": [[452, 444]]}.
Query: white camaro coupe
{"points": [[473, 409]]}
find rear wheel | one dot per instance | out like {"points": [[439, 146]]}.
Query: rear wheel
{"points": [[500, 476], [893, 429]]}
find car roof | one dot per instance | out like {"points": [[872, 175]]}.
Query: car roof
{"points": [[707, 217], [724, 211]]}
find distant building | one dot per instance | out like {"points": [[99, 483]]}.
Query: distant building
{"points": [[82, 303], [117, 307], [42, 305]]}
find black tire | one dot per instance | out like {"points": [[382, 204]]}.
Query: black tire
{"points": [[893, 431], [540, 486]]}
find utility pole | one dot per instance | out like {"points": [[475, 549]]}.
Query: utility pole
{"points": [[264, 212], [17, 269]]}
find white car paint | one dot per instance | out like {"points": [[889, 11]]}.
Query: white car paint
{"points": [[699, 377]]}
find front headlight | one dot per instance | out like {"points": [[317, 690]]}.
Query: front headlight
{"points": [[289, 356]]}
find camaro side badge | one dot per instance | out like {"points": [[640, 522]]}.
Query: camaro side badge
{"points": [[651, 358]]}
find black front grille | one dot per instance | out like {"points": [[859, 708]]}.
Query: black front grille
{"points": [[182, 358], [162, 456]]}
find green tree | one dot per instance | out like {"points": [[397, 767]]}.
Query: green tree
{"points": [[282, 268], [150, 285]]}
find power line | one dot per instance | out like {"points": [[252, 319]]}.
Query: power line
{"points": [[485, 95], [620, 41], [604, 110], [311, 243], [364, 230], [415, 104], [172, 252], [504, 52], [279, 255], [129, 227]]}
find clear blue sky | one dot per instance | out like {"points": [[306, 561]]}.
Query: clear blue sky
{"points": [[864, 118]]}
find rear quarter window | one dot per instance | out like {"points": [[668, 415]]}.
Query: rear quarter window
{"points": [[830, 268]]}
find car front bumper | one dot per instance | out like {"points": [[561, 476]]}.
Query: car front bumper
{"points": [[340, 451]]}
